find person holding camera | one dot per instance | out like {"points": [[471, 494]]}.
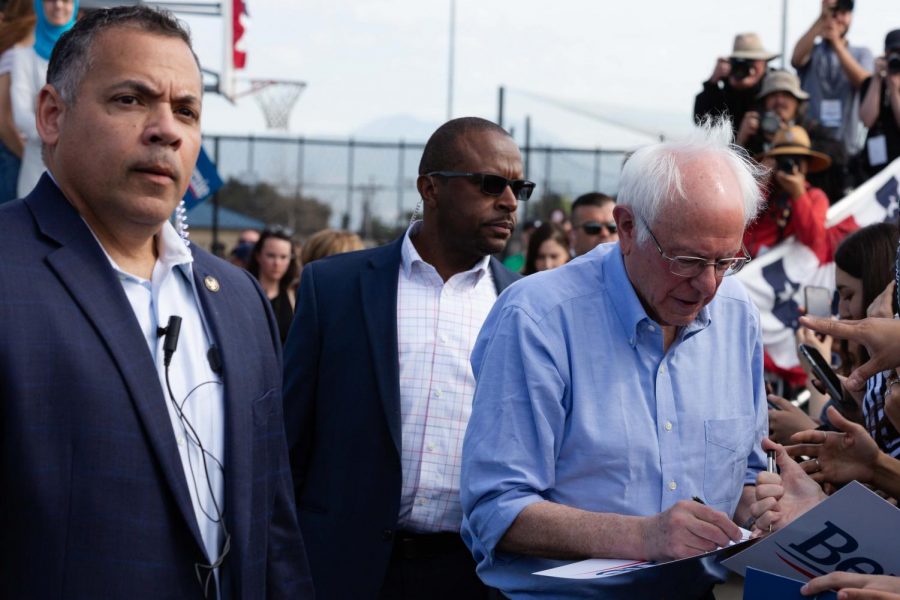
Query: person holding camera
{"points": [[779, 106], [782, 103], [735, 82], [880, 108], [831, 72], [793, 206]]}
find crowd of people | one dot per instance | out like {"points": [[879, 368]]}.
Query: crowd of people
{"points": [[417, 420], [275, 259]]}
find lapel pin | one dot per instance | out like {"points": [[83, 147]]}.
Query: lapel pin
{"points": [[211, 283]]}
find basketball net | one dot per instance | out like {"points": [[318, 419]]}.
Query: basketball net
{"points": [[277, 99]]}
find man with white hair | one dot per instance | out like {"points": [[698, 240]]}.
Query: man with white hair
{"points": [[613, 390]]}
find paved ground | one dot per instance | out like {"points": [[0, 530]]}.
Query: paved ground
{"points": [[733, 589]]}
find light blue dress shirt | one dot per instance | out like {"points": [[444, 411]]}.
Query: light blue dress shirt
{"points": [[576, 403], [198, 390]]}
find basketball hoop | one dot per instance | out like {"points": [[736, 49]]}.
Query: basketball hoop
{"points": [[276, 98]]}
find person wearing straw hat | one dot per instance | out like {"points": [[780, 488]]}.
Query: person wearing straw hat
{"points": [[831, 72], [793, 206], [782, 103], [735, 82], [880, 108]]}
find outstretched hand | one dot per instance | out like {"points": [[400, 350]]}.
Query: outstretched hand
{"points": [[836, 457], [881, 337], [787, 420], [782, 498], [855, 586]]}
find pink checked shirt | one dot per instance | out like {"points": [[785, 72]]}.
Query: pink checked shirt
{"points": [[437, 324]]}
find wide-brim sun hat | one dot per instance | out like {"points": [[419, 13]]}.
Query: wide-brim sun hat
{"points": [[782, 81], [794, 141], [748, 46]]}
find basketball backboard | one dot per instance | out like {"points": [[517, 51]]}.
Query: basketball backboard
{"points": [[232, 16]]}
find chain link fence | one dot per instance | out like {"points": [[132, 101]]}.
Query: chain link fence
{"points": [[367, 183]]}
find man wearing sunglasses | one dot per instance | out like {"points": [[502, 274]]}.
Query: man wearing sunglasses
{"points": [[592, 222], [613, 391], [378, 384]]}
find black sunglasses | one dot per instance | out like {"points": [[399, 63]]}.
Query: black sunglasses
{"points": [[493, 185], [593, 227], [278, 230]]}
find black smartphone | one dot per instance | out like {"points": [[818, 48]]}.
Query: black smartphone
{"points": [[826, 375], [817, 300]]}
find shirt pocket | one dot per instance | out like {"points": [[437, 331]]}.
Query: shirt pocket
{"points": [[728, 444]]}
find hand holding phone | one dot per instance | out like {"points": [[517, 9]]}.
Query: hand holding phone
{"points": [[824, 373]]}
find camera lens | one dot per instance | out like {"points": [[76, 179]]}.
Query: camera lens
{"points": [[893, 65], [786, 164], [769, 123], [739, 68]]}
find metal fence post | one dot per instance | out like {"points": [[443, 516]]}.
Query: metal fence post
{"points": [[351, 146], [400, 169]]}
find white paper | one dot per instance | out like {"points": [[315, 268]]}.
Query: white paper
{"points": [[830, 113], [854, 529], [877, 148], [598, 568]]}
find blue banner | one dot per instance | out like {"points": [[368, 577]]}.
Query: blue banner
{"points": [[205, 181], [761, 585]]}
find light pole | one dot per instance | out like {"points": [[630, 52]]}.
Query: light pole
{"points": [[784, 19], [452, 51]]}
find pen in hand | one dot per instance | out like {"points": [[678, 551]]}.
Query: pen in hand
{"points": [[771, 467]]}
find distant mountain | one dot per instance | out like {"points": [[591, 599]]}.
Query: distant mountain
{"points": [[387, 185], [396, 127]]}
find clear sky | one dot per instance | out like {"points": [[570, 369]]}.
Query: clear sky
{"points": [[376, 66]]}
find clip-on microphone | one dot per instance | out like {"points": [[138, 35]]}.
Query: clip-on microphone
{"points": [[170, 343], [169, 333]]}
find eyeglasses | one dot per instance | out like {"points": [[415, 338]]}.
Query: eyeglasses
{"points": [[593, 227], [493, 185], [691, 266]]}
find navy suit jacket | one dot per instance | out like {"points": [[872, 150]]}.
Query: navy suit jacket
{"points": [[342, 416], [95, 502]]}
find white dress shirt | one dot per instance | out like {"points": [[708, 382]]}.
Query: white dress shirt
{"points": [[437, 324]]}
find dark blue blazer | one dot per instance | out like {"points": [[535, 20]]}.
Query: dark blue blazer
{"points": [[342, 416], [94, 501]]}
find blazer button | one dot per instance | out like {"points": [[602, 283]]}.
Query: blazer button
{"points": [[387, 535]]}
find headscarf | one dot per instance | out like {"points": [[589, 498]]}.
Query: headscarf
{"points": [[45, 34]]}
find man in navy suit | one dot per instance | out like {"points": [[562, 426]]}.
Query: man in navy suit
{"points": [[378, 386], [142, 449]]}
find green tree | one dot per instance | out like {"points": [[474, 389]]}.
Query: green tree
{"points": [[305, 215]]}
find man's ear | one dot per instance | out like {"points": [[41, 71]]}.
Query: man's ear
{"points": [[49, 114], [626, 225], [427, 190]]}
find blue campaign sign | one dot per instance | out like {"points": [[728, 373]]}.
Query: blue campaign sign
{"points": [[761, 585], [205, 181], [852, 530]]}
